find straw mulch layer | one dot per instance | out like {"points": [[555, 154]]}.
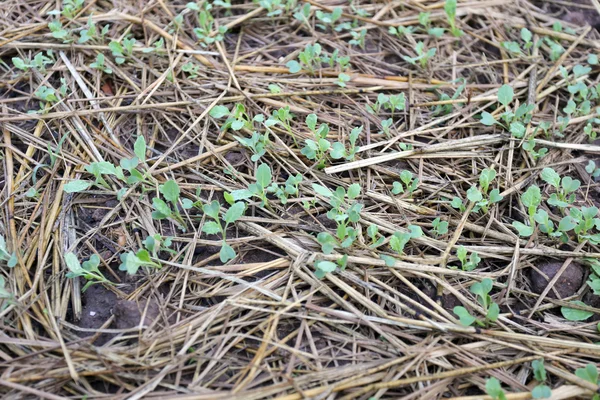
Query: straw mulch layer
{"points": [[263, 325]]}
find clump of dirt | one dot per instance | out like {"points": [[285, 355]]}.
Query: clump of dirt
{"points": [[97, 302], [567, 285], [128, 314]]}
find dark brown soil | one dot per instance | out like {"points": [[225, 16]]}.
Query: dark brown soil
{"points": [[128, 314], [96, 310], [567, 285]]}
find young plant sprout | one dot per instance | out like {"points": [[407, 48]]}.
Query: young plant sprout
{"points": [[215, 226], [342, 215], [491, 310], [513, 121], [88, 270]]}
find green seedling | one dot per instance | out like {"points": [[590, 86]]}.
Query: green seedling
{"points": [[530, 199], [401, 31], [399, 240], [376, 238], [376, 108], [334, 59], [565, 188], [423, 55], [257, 143], [589, 130], [237, 118], [328, 19], [70, 8], [594, 279], [358, 38], [88, 270], [408, 183], [91, 33], [131, 262], [450, 9], [206, 24], [260, 188], [458, 203], [514, 122], [317, 149], [516, 48], [5, 255], [302, 13], [163, 210], [309, 59], [392, 103], [123, 51], [38, 62], [444, 109], [491, 310], [60, 33], [529, 147], [342, 215], [338, 149], [275, 7], [494, 389], [342, 79], [99, 64], [440, 227], [323, 267], [541, 391], [214, 227], [289, 189], [156, 243], [467, 264], [589, 373], [545, 225], [426, 23], [47, 95], [386, 125], [480, 197], [584, 220], [284, 118]]}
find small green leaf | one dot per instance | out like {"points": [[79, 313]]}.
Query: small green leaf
{"points": [[73, 264], [539, 372], [325, 266], [551, 177], [494, 389], [505, 95], [353, 191], [77, 186], [263, 175], [573, 314], [211, 228], [474, 195], [495, 196], [219, 112], [465, 318], [162, 207], [389, 260], [170, 189], [293, 66], [493, 312], [139, 148], [487, 119], [227, 253], [322, 190], [235, 212], [588, 373], [212, 209], [541, 392]]}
